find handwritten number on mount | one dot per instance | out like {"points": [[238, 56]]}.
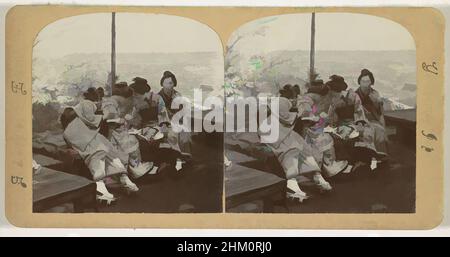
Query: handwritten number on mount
{"points": [[18, 181], [17, 87], [432, 68], [429, 136], [428, 149]]}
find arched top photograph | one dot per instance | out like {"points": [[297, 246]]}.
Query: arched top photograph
{"points": [[103, 89], [346, 86]]}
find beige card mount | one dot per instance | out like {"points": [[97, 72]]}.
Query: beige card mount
{"points": [[54, 54]]}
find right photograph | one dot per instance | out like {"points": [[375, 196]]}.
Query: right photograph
{"points": [[345, 88]]}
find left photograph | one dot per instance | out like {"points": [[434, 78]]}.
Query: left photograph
{"points": [[103, 86]]}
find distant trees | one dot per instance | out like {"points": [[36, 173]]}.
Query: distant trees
{"points": [[49, 98], [233, 77], [78, 78], [45, 116], [261, 69]]}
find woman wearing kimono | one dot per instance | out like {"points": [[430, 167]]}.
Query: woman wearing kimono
{"points": [[373, 109], [81, 132], [346, 113], [168, 93], [149, 108], [314, 120], [152, 119], [292, 151], [118, 112]]}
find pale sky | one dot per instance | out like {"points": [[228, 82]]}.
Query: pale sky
{"points": [[135, 33], [334, 31], [143, 33]]}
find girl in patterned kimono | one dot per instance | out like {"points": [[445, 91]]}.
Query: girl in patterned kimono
{"points": [[81, 132], [118, 112], [314, 120], [373, 109], [168, 82], [149, 108], [346, 113], [292, 151], [160, 144]]}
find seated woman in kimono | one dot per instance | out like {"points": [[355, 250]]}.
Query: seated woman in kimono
{"points": [[81, 132], [292, 151], [168, 93], [312, 124], [373, 109], [158, 144], [117, 111], [346, 114]]}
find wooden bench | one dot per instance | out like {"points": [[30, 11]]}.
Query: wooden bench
{"points": [[52, 188], [237, 157], [46, 161], [404, 122], [243, 185]]}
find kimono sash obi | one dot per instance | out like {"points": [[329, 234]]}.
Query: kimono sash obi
{"points": [[168, 101], [151, 113], [373, 110], [346, 112], [78, 134], [85, 110]]}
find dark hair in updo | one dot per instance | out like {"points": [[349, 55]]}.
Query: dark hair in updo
{"points": [[168, 74], [100, 92], [288, 91], [91, 94], [296, 89], [140, 85], [336, 83], [366, 72]]}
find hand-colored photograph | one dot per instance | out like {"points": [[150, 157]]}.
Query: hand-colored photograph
{"points": [[102, 104], [347, 112]]}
